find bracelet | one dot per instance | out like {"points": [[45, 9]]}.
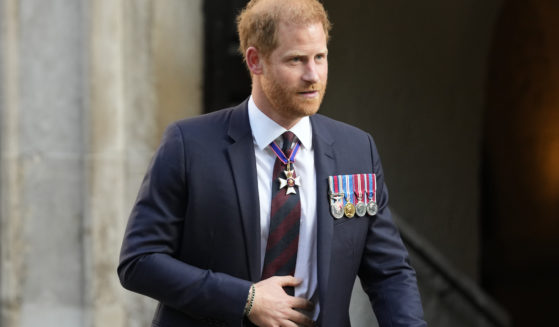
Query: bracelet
{"points": [[250, 300]]}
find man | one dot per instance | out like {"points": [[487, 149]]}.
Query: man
{"points": [[263, 214]]}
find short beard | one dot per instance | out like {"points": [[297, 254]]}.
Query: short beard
{"points": [[286, 101]]}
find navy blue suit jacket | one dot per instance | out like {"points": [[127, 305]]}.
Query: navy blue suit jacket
{"points": [[193, 237]]}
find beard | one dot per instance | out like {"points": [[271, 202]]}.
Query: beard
{"points": [[289, 102]]}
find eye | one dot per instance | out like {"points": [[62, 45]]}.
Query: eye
{"points": [[296, 59]]}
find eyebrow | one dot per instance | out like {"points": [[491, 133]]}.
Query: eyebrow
{"points": [[296, 53]]}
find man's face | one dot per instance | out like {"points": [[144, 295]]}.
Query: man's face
{"points": [[295, 74]]}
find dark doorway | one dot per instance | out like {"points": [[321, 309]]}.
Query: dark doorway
{"points": [[227, 81], [520, 259]]}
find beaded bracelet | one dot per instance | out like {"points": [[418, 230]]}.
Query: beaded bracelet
{"points": [[250, 300]]}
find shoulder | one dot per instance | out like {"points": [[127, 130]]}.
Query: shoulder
{"points": [[214, 125], [350, 144], [211, 122], [338, 130]]}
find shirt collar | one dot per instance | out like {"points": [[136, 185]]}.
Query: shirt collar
{"points": [[265, 130]]}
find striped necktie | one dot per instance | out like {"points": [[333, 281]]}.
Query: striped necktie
{"points": [[285, 215]]}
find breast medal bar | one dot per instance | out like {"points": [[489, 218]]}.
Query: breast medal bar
{"points": [[352, 195]]}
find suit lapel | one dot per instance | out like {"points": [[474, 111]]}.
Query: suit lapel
{"points": [[325, 165], [243, 166]]}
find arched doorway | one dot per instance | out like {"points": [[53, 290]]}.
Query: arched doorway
{"points": [[520, 259]]}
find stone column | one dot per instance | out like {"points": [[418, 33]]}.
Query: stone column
{"points": [[11, 240], [41, 162], [145, 71], [105, 169]]}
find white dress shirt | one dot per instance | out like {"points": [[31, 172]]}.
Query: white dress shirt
{"points": [[264, 132]]}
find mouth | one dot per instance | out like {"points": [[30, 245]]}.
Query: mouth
{"points": [[309, 93]]}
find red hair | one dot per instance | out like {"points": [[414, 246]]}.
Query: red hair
{"points": [[258, 23]]}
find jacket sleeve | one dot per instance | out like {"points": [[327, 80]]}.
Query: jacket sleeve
{"points": [[385, 271], [148, 259]]}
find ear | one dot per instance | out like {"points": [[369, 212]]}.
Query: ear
{"points": [[254, 61]]}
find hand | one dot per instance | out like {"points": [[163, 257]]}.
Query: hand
{"points": [[272, 307]]}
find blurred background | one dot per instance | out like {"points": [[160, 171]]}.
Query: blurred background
{"points": [[462, 98]]}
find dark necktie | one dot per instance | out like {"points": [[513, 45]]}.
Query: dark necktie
{"points": [[285, 215]]}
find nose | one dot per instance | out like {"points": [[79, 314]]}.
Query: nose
{"points": [[311, 73]]}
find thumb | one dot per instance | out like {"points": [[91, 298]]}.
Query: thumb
{"points": [[289, 281]]}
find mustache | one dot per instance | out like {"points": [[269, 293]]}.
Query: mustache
{"points": [[312, 88]]}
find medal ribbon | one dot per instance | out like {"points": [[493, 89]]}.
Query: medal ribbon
{"points": [[331, 184], [372, 187], [357, 186], [281, 156], [340, 186], [375, 188], [349, 188]]}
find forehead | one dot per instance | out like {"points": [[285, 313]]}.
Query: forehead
{"points": [[293, 37]]}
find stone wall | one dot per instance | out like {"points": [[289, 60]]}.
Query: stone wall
{"points": [[87, 89]]}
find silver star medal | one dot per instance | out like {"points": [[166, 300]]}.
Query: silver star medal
{"points": [[290, 181]]}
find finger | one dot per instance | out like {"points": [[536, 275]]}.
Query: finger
{"points": [[289, 323], [301, 303], [301, 319], [289, 281]]}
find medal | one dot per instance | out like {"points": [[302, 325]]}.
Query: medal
{"points": [[336, 207], [290, 180], [336, 198], [360, 206], [372, 207], [349, 208], [360, 209]]}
